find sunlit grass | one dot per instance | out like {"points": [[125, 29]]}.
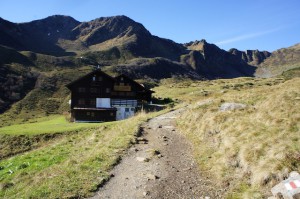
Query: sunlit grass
{"points": [[257, 146], [51, 124], [72, 166]]}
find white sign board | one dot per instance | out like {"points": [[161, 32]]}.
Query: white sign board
{"points": [[103, 102], [289, 187]]}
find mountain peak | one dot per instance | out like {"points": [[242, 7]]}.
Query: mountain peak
{"points": [[116, 17], [106, 28], [199, 45], [120, 21], [57, 19]]}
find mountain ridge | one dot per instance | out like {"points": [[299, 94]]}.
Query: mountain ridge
{"points": [[119, 44]]}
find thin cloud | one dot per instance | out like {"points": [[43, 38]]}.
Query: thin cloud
{"points": [[247, 36]]}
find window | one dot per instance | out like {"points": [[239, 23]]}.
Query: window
{"points": [[93, 102], [111, 114], [94, 78], [107, 90], [81, 102], [81, 90], [122, 79], [88, 113], [93, 90], [92, 114], [103, 103], [100, 78], [126, 109]]}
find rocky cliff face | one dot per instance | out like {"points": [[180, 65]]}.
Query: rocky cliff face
{"points": [[253, 57], [213, 62]]}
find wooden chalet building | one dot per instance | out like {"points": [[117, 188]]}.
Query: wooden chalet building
{"points": [[98, 97]]}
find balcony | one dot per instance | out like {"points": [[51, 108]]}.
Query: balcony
{"points": [[122, 88]]}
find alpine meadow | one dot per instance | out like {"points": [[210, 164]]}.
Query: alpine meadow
{"points": [[105, 109]]}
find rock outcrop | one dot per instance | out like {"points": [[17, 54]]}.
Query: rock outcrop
{"points": [[252, 57], [213, 62]]}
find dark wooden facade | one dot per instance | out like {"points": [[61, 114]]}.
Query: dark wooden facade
{"points": [[94, 115], [99, 97], [126, 88]]}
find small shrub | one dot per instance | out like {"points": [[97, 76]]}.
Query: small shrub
{"points": [[23, 165], [6, 185], [162, 100]]}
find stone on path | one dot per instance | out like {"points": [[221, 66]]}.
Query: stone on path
{"points": [[151, 176], [146, 193], [142, 159]]}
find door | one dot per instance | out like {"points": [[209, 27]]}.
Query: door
{"points": [[124, 113], [103, 103], [120, 113], [129, 112]]}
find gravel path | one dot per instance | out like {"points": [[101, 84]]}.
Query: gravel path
{"points": [[160, 165]]}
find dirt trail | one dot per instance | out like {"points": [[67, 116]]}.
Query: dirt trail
{"points": [[160, 165]]}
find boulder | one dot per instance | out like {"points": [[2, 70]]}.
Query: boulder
{"points": [[231, 106]]}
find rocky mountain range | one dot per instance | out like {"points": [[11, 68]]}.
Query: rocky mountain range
{"points": [[33, 52]]}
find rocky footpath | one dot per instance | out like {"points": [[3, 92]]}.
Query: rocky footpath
{"points": [[160, 165]]}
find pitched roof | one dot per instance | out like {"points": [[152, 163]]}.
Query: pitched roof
{"points": [[110, 77], [90, 74]]}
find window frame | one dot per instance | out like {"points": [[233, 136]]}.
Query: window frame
{"points": [[81, 89]]}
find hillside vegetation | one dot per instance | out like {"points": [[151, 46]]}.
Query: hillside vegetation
{"points": [[247, 150], [281, 60], [49, 96]]}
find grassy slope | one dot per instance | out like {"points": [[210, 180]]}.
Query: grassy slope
{"points": [[73, 165], [248, 150], [290, 74], [19, 138], [51, 124], [281, 60]]}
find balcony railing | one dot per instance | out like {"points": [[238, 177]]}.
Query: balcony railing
{"points": [[121, 102]]}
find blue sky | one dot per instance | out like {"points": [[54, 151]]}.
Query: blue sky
{"points": [[256, 24]]}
